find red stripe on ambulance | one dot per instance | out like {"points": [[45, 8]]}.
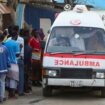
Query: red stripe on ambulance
{"points": [[75, 56]]}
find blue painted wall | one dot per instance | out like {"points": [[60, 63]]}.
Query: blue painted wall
{"points": [[33, 15]]}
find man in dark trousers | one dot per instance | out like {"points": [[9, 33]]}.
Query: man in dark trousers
{"points": [[27, 64]]}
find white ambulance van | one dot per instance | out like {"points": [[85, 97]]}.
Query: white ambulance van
{"points": [[74, 54]]}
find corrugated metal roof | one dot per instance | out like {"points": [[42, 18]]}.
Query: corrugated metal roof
{"points": [[4, 9]]}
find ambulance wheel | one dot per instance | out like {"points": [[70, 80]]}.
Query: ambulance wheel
{"points": [[47, 91], [103, 92]]}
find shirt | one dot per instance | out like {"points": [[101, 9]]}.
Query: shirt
{"points": [[20, 40], [35, 44], [27, 55], [78, 43], [13, 49], [4, 59]]}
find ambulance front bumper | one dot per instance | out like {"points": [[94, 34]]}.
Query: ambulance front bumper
{"points": [[74, 82]]}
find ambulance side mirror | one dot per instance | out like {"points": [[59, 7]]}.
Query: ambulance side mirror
{"points": [[42, 45]]}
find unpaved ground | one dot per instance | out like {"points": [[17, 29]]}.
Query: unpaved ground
{"points": [[59, 98]]}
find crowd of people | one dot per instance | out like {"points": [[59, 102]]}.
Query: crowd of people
{"points": [[20, 61]]}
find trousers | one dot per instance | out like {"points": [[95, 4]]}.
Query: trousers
{"points": [[21, 76], [2, 86]]}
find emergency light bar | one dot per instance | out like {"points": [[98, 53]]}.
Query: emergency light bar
{"points": [[80, 8], [77, 8], [67, 7]]}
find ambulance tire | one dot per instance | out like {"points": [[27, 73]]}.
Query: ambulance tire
{"points": [[103, 92], [47, 91]]}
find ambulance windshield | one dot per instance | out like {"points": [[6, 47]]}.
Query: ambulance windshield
{"points": [[77, 39]]}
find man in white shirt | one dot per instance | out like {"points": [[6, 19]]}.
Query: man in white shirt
{"points": [[77, 42]]}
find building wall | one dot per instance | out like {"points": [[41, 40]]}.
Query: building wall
{"points": [[45, 24], [33, 17], [3, 0], [35, 0], [1, 22]]}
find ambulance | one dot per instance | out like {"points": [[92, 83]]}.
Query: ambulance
{"points": [[74, 54]]}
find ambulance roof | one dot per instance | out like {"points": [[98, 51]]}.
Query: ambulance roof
{"points": [[84, 19]]}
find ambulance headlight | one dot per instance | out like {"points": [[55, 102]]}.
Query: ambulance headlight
{"points": [[52, 73], [100, 75]]}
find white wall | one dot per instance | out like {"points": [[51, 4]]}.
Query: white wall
{"points": [[45, 24]]}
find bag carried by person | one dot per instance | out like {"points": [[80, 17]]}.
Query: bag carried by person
{"points": [[13, 72]]}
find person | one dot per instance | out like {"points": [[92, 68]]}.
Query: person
{"points": [[4, 65], [96, 42], [34, 42], [21, 32], [10, 28], [78, 42], [20, 41], [79, 39], [27, 65], [13, 74], [59, 40], [24, 33], [41, 34], [5, 34]]}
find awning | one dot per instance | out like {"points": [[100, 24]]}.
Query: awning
{"points": [[4, 9]]}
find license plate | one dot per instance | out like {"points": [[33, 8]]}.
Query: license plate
{"points": [[75, 83]]}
